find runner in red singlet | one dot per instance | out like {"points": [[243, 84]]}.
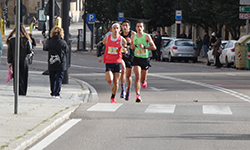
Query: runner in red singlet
{"points": [[113, 58]]}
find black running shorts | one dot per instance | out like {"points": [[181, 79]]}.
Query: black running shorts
{"points": [[144, 63], [115, 67]]}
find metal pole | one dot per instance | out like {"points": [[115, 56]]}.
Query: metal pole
{"points": [[92, 36], [17, 53], [21, 11], [178, 25], [65, 25], [84, 26], [51, 14], [247, 24]]}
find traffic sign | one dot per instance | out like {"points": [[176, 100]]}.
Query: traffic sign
{"points": [[178, 14], [91, 17], [244, 2], [244, 9], [120, 16], [244, 16]]}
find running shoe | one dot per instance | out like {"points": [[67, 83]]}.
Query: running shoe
{"points": [[138, 99], [109, 83], [144, 85], [127, 97], [113, 101], [122, 94]]}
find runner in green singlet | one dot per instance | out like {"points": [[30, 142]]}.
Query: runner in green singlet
{"points": [[141, 43]]}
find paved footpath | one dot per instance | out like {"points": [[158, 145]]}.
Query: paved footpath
{"points": [[38, 112]]}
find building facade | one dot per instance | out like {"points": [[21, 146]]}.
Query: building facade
{"points": [[32, 7]]}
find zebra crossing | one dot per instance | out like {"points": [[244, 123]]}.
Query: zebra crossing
{"points": [[162, 108]]}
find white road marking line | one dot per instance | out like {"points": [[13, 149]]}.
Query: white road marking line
{"points": [[107, 107], [224, 90], [160, 108], [54, 135], [155, 89], [216, 110]]}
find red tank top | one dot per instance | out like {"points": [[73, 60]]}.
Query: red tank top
{"points": [[113, 52]]}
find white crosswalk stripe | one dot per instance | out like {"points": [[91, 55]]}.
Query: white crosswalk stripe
{"points": [[163, 108], [108, 107], [160, 108], [219, 110]]}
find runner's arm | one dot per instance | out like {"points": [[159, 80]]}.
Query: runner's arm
{"points": [[132, 46], [104, 41], [151, 43], [124, 45]]}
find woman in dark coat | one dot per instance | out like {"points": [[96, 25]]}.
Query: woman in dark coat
{"points": [[58, 49], [216, 54], [25, 49]]}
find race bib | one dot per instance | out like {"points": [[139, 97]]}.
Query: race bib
{"points": [[141, 52], [113, 50]]}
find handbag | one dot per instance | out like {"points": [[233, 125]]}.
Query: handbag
{"points": [[9, 74]]}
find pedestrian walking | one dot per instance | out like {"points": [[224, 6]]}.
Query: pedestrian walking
{"points": [[158, 41], [216, 51], [58, 50], [128, 59], [25, 49], [154, 56], [199, 45], [182, 35], [141, 43], [206, 41], [113, 57], [165, 34], [213, 39]]}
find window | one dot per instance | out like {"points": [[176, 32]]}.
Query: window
{"points": [[184, 43]]}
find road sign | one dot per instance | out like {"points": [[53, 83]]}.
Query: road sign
{"points": [[244, 9], [178, 21], [120, 16], [244, 2], [91, 18], [178, 14], [244, 16]]}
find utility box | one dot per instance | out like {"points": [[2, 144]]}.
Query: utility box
{"points": [[240, 52]]}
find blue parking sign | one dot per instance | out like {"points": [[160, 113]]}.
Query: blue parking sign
{"points": [[120, 16], [91, 17]]}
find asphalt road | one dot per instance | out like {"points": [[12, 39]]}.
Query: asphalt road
{"points": [[186, 106]]}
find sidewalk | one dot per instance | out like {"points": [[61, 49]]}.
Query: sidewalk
{"points": [[38, 113]]}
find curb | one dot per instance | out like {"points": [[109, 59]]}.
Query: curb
{"points": [[61, 119], [93, 93], [56, 123]]}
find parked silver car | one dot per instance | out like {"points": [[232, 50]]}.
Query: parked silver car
{"points": [[228, 54], [180, 49]]}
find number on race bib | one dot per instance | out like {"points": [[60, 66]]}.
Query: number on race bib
{"points": [[141, 52], [113, 50]]}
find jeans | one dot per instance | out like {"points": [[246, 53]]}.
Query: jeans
{"points": [[205, 48], [56, 78]]}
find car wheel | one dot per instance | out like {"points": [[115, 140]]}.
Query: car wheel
{"points": [[208, 63], [170, 59], [186, 61], [227, 64]]}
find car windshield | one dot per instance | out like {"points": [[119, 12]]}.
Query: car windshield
{"points": [[184, 43]]}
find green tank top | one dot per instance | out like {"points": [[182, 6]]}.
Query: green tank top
{"points": [[140, 52]]}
